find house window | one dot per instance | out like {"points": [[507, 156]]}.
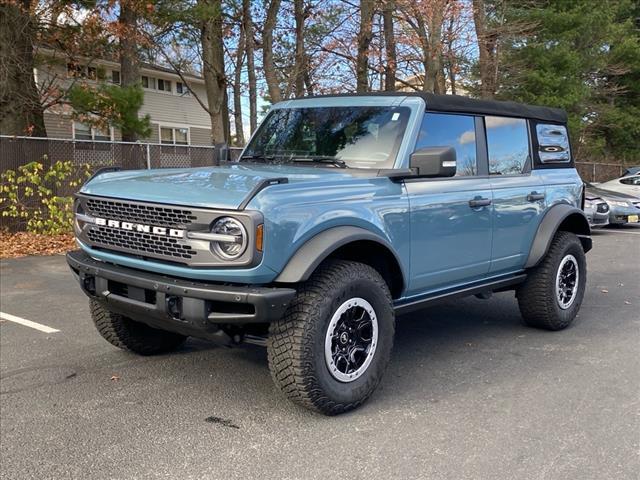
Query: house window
{"points": [[92, 73], [82, 131], [174, 136], [148, 82], [181, 88], [115, 77], [164, 85], [75, 71]]}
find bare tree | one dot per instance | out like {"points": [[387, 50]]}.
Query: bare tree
{"points": [[390, 46], [270, 73], [300, 65], [237, 89], [488, 50], [211, 36], [247, 25], [129, 58], [365, 35], [21, 112]]}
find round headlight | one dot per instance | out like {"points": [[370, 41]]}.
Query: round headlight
{"points": [[235, 246]]}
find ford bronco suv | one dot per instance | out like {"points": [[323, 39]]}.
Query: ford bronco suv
{"points": [[341, 213]]}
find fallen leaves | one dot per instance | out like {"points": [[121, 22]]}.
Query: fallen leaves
{"points": [[21, 244]]}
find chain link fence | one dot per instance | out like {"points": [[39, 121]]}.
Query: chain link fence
{"points": [[18, 151], [599, 172], [93, 155]]}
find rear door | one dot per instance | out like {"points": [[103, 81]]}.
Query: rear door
{"points": [[451, 218], [518, 192]]}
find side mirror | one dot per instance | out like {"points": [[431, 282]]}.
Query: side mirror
{"points": [[434, 162], [221, 153]]}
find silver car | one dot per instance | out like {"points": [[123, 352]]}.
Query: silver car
{"points": [[629, 185], [596, 210], [623, 208]]}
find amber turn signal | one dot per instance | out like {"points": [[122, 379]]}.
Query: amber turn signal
{"points": [[259, 237]]}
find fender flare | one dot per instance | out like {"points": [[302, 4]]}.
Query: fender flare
{"points": [[550, 224], [315, 250]]}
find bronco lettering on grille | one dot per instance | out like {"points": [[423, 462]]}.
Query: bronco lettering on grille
{"points": [[138, 227]]}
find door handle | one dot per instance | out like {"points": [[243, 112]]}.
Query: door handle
{"points": [[535, 196], [479, 202]]}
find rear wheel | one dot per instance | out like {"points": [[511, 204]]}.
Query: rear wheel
{"points": [[332, 346], [128, 334], [552, 294]]}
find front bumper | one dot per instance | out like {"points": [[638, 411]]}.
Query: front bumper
{"points": [[191, 308], [620, 215]]}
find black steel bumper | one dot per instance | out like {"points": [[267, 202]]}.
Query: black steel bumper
{"points": [[187, 307]]}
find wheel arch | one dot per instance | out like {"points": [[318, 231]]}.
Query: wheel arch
{"points": [[561, 217], [346, 243]]}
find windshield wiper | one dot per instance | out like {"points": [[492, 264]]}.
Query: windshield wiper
{"points": [[258, 157], [331, 160]]}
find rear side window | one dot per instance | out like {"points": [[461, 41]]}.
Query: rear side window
{"points": [[457, 131], [553, 143], [507, 145]]}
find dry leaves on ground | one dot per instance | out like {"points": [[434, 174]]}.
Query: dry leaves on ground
{"points": [[23, 243]]}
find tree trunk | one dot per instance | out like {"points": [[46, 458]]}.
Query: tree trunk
{"points": [[451, 58], [247, 23], [270, 72], [365, 35], [237, 90], [129, 59], [20, 107], [432, 77], [390, 46], [487, 63], [300, 64], [213, 68]]}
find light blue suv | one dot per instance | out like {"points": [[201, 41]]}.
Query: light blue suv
{"points": [[342, 212]]}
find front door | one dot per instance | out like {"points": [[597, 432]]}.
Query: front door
{"points": [[451, 218]]}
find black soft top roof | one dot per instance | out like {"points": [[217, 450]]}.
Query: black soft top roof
{"points": [[459, 104]]}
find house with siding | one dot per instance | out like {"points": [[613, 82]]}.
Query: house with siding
{"points": [[177, 118]]}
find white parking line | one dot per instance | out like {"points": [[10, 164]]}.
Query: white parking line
{"points": [[27, 323], [620, 231]]}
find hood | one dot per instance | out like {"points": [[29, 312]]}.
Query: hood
{"points": [[223, 187], [592, 191]]}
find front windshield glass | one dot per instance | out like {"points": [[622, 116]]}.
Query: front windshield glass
{"points": [[356, 137]]}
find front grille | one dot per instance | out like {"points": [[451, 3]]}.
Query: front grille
{"points": [[602, 208], [139, 213], [141, 243]]}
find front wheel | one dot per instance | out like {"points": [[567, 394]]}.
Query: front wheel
{"points": [[330, 349], [552, 294], [127, 334]]}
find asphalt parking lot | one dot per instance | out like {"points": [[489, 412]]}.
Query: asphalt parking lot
{"points": [[470, 393]]}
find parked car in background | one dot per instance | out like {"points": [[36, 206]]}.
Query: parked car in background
{"points": [[632, 171], [623, 208], [629, 185], [596, 210]]}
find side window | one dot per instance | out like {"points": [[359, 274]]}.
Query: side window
{"points": [[448, 130], [553, 143], [630, 180], [507, 145]]}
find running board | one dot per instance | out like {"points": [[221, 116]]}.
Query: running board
{"points": [[463, 292]]}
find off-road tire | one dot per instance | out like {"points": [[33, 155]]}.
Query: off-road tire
{"points": [[297, 341], [537, 299], [128, 334]]}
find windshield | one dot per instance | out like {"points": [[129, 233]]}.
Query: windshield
{"points": [[356, 137]]}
